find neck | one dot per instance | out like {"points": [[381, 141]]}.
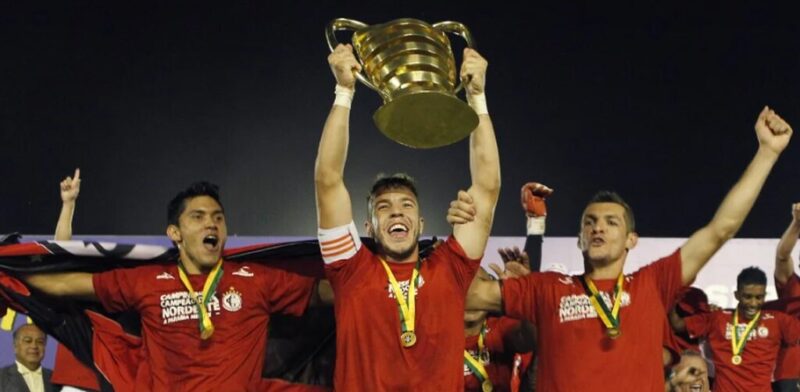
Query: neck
{"points": [[193, 269], [29, 365], [597, 271], [409, 257]]}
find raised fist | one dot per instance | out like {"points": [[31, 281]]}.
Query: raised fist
{"points": [[344, 65], [533, 195], [772, 131]]}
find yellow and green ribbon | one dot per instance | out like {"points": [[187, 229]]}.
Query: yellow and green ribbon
{"points": [[738, 342], [407, 306], [610, 318], [206, 326], [474, 364]]}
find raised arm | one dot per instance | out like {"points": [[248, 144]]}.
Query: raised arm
{"points": [[70, 188], [334, 208], [533, 195], [484, 160], [784, 265], [773, 135], [70, 284]]}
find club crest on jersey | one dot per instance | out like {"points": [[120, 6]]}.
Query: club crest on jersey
{"points": [[763, 331], [232, 300], [404, 287]]}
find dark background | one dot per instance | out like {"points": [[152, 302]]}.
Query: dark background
{"points": [[655, 101]]}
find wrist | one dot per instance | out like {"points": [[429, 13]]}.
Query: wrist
{"points": [[478, 103], [767, 152], [344, 96], [68, 203], [536, 225]]}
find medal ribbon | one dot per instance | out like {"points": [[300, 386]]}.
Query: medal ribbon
{"points": [[610, 318], [737, 346], [475, 365], [407, 307], [206, 327]]}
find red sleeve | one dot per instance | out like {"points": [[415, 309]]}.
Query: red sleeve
{"points": [[519, 297], [699, 325], [789, 289], [668, 276], [116, 289], [341, 271], [790, 328], [463, 267], [500, 329], [286, 292]]}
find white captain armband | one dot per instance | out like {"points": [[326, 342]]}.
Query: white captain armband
{"points": [[339, 243]]}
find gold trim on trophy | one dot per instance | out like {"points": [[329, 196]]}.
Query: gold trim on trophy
{"points": [[410, 64]]}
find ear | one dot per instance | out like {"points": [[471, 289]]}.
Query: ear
{"points": [[632, 240], [368, 228], [579, 242], [174, 234], [421, 225], [736, 294]]}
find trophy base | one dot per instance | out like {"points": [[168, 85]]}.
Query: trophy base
{"points": [[426, 119]]}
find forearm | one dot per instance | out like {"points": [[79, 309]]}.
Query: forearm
{"points": [[332, 153], [63, 284], [783, 259], [484, 294], [740, 199], [64, 225], [485, 158]]}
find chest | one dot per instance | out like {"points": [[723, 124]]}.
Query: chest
{"points": [[168, 302]]}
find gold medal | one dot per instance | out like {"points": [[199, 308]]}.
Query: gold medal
{"points": [[613, 333], [736, 359], [486, 386], [609, 317], [408, 339]]}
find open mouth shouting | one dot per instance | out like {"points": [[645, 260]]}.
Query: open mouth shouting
{"points": [[211, 242], [398, 231]]}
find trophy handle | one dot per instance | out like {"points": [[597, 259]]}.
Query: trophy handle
{"points": [[460, 30], [340, 24]]}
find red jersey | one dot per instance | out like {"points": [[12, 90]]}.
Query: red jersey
{"points": [[369, 355], [788, 365], [758, 359], [498, 361], [574, 352], [175, 358]]}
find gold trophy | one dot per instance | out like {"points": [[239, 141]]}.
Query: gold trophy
{"points": [[410, 64]]}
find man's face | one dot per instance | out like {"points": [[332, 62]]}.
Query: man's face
{"points": [[751, 298], [696, 362], [201, 232], [604, 236], [396, 224], [29, 346]]}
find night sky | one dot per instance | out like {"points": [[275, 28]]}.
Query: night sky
{"points": [[655, 101]]}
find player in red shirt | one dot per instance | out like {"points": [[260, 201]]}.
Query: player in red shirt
{"points": [[787, 282], [214, 339], [744, 342], [399, 319], [604, 329]]}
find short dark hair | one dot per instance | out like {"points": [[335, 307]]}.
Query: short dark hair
{"points": [[177, 205], [15, 334], [614, 197], [751, 275], [383, 183]]}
